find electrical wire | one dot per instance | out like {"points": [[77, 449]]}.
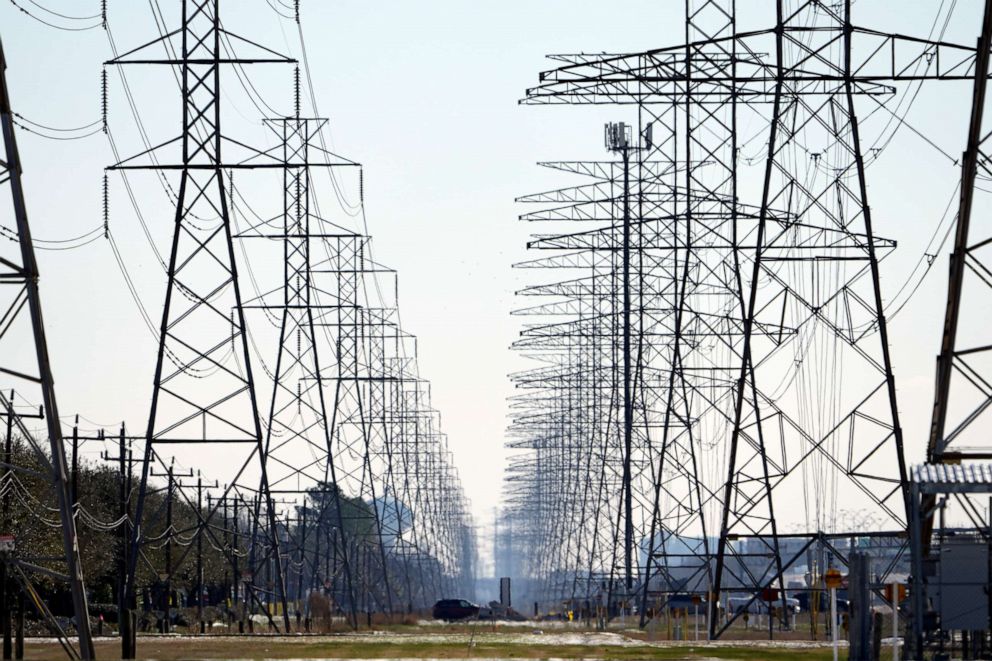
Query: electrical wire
{"points": [[53, 25], [52, 128], [63, 138], [65, 16]]}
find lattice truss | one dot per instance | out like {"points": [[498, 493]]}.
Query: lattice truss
{"points": [[963, 390], [760, 393], [30, 415], [296, 388]]}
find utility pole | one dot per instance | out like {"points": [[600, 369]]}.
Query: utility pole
{"points": [[303, 553], [167, 623], [252, 532], [235, 546], [123, 461], [618, 140], [166, 576], [315, 582], [5, 591], [74, 491], [167, 606], [201, 529], [125, 619], [199, 552]]}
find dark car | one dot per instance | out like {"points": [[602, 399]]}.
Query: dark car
{"points": [[455, 609]]}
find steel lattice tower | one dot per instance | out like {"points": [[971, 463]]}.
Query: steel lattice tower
{"points": [[204, 391], [350, 443], [963, 393], [298, 445], [825, 223], [29, 374], [786, 285], [957, 438]]}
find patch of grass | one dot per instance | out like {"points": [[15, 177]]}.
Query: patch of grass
{"points": [[167, 649]]}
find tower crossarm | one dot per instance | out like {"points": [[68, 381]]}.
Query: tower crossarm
{"points": [[658, 76]]}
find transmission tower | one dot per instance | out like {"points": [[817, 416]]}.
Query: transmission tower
{"points": [[598, 377], [958, 439], [773, 298], [964, 383], [345, 418], [298, 438], [204, 391], [348, 474], [29, 375]]}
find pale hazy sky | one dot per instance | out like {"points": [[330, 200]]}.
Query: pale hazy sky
{"points": [[424, 94]]}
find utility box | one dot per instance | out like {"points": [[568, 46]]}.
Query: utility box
{"points": [[504, 592], [959, 592]]}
